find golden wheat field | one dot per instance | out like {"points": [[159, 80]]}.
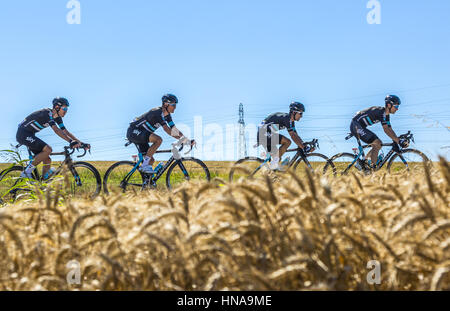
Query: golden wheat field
{"points": [[292, 233]]}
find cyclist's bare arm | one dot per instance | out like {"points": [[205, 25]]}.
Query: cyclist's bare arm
{"points": [[61, 133], [297, 139], [174, 132], [390, 132], [70, 135]]}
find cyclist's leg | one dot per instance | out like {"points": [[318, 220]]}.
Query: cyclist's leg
{"points": [[37, 146], [140, 139], [155, 141], [373, 153], [272, 144], [41, 150], [47, 164], [263, 139], [372, 139], [285, 143]]}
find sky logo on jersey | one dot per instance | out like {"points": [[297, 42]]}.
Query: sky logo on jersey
{"points": [[30, 139], [137, 132], [360, 131]]}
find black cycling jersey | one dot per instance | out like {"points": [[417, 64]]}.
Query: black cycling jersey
{"points": [[41, 119], [280, 121], [371, 116], [152, 120]]}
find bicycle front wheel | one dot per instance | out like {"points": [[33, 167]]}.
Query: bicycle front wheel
{"points": [[86, 180], [409, 160], [249, 167], [122, 176], [186, 170], [317, 163], [344, 164]]}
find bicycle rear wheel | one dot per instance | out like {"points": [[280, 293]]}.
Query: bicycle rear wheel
{"points": [[249, 167], [344, 164], [86, 180], [120, 177], [186, 170], [12, 185], [317, 162], [409, 160]]}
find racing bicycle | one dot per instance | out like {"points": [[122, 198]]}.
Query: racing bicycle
{"points": [[84, 178], [125, 175], [398, 159], [250, 167]]}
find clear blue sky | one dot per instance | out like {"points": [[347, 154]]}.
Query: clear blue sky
{"points": [[213, 55]]}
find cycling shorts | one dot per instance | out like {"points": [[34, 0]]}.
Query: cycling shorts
{"points": [[139, 138], [365, 135], [267, 139], [29, 139]]}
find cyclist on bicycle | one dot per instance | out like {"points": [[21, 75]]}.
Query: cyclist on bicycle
{"points": [[370, 116], [34, 123], [141, 131], [268, 133]]}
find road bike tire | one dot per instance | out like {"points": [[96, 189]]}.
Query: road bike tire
{"points": [[9, 178], [113, 180], [341, 162], [90, 180], [244, 168], [412, 160], [323, 167], [195, 170]]}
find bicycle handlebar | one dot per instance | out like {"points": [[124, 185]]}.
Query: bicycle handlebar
{"points": [[408, 136], [313, 143], [86, 147], [190, 145]]}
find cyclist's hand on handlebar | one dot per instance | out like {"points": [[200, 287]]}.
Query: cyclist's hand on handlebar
{"points": [[308, 149], [403, 143], [86, 146], [74, 144]]}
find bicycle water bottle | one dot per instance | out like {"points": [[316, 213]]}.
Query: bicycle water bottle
{"points": [[49, 173], [380, 158], [285, 161], [159, 167]]}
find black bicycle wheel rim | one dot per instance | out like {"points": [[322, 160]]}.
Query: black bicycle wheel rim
{"points": [[413, 161], [197, 171], [343, 164], [89, 181], [114, 179], [319, 163], [9, 179], [245, 168]]}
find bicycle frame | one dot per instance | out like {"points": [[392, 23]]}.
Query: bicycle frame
{"points": [[385, 159], [300, 154], [152, 178], [67, 161]]}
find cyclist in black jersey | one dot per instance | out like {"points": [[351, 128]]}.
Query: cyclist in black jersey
{"points": [[268, 132], [37, 121], [371, 116], [141, 130]]}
